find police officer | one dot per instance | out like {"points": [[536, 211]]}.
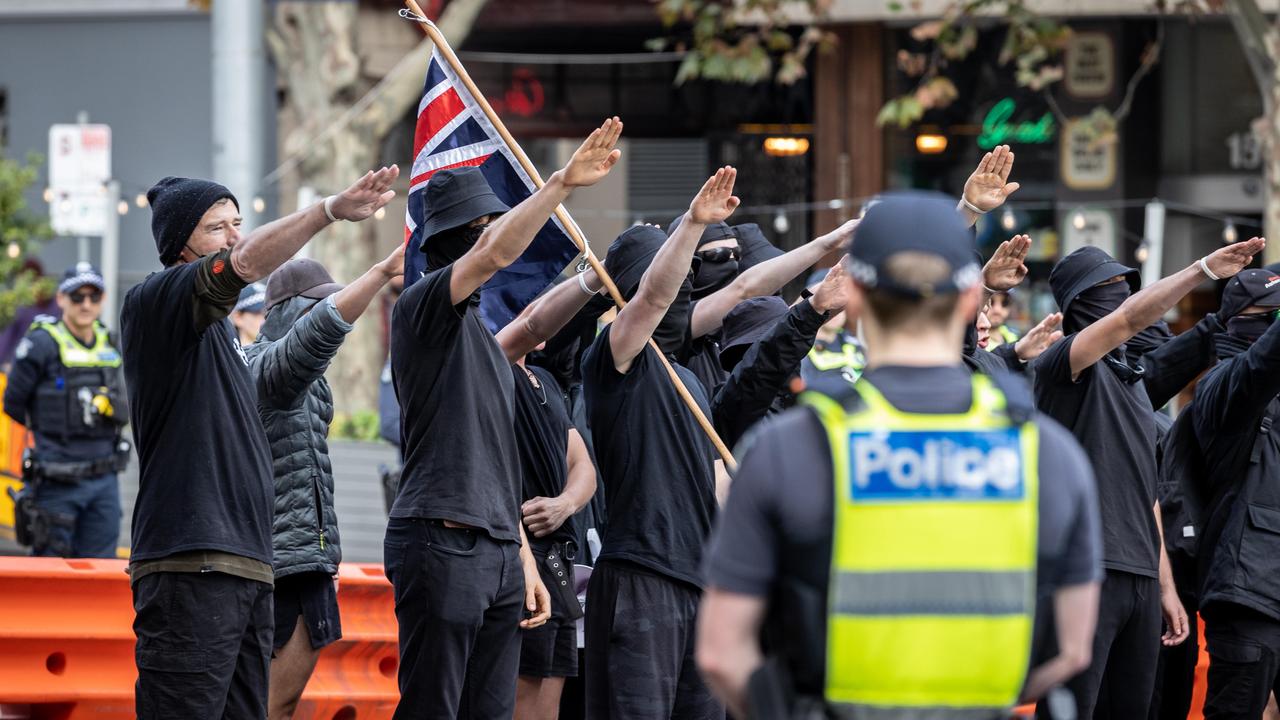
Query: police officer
{"points": [[939, 500], [66, 387], [1234, 415]]}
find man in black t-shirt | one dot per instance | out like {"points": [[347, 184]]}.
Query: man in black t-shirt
{"points": [[1085, 382], [659, 478], [454, 548], [201, 562]]}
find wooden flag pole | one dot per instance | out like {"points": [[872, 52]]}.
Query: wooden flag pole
{"points": [[570, 227]]}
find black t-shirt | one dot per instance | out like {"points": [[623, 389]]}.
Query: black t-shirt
{"points": [[656, 463], [457, 413], [775, 535], [205, 478], [1113, 421], [542, 435]]}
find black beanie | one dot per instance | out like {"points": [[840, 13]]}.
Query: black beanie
{"points": [[177, 204]]}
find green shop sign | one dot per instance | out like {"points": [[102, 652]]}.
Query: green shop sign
{"points": [[998, 128]]}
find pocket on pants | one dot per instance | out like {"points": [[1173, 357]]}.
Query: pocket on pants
{"points": [[453, 541], [1236, 678]]}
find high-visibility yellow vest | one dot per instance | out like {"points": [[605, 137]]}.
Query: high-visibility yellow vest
{"points": [[933, 560], [73, 354], [1002, 336]]}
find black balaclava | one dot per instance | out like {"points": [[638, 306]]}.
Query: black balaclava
{"points": [[446, 247], [1092, 305], [628, 258], [1249, 327], [710, 276]]}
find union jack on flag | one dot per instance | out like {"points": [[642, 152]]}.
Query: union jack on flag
{"points": [[452, 132]]}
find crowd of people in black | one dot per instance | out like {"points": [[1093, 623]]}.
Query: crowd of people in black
{"points": [[1009, 516]]}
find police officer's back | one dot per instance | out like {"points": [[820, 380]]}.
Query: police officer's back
{"points": [[940, 502], [66, 387]]}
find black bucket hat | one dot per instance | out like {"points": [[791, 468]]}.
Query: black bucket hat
{"points": [[1085, 268], [746, 323], [455, 197]]}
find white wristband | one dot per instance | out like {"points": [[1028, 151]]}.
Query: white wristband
{"points": [[971, 207], [582, 285], [1204, 268], [328, 208]]}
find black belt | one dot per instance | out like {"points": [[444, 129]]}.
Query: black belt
{"points": [[71, 471]]}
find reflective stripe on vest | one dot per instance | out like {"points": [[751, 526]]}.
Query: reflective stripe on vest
{"points": [[932, 591], [848, 356], [73, 354]]}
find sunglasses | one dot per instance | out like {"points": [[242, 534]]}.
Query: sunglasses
{"points": [[94, 297], [722, 254]]}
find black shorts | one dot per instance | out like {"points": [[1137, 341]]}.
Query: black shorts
{"points": [[312, 596], [551, 650]]}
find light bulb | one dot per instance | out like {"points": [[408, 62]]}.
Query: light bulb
{"points": [[140, 200], [259, 204], [1229, 234], [48, 195], [14, 251], [122, 207], [1007, 220], [1143, 252], [379, 213], [780, 223], [1078, 221]]}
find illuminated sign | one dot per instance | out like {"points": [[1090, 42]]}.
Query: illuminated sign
{"points": [[998, 127]]}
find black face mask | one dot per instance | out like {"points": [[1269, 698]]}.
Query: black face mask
{"points": [[1250, 327], [1094, 304], [445, 248], [718, 268], [627, 260], [971, 338]]}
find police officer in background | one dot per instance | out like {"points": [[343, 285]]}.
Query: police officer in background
{"points": [[66, 387], [946, 509]]}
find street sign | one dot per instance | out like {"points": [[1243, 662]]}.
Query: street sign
{"points": [[79, 168]]}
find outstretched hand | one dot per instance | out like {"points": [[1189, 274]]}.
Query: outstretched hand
{"points": [[831, 295], [366, 195], [988, 187], [1039, 338], [393, 265], [838, 239], [715, 202], [1227, 261], [1007, 269], [595, 157]]}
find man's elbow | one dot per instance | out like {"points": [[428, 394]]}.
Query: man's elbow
{"points": [[1076, 660]]}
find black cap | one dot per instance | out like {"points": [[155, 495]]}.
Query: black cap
{"points": [[79, 275], [454, 198], [299, 277], [177, 204], [923, 222], [746, 323], [1256, 286], [1084, 268]]}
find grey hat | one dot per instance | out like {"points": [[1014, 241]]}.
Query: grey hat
{"points": [[299, 277], [454, 198], [79, 275]]}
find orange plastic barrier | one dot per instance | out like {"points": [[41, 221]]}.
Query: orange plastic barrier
{"points": [[66, 644]]}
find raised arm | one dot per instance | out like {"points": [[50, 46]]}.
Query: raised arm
{"points": [[353, 299], [271, 245], [988, 187], [547, 315], [661, 282], [506, 238], [1007, 267], [766, 278], [1148, 305]]}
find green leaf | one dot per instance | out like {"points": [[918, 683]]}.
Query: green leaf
{"points": [[690, 68], [656, 44]]}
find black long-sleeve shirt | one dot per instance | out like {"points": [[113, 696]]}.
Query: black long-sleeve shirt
{"points": [[749, 393], [1173, 365]]}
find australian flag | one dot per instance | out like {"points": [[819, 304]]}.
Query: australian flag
{"points": [[453, 131]]}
